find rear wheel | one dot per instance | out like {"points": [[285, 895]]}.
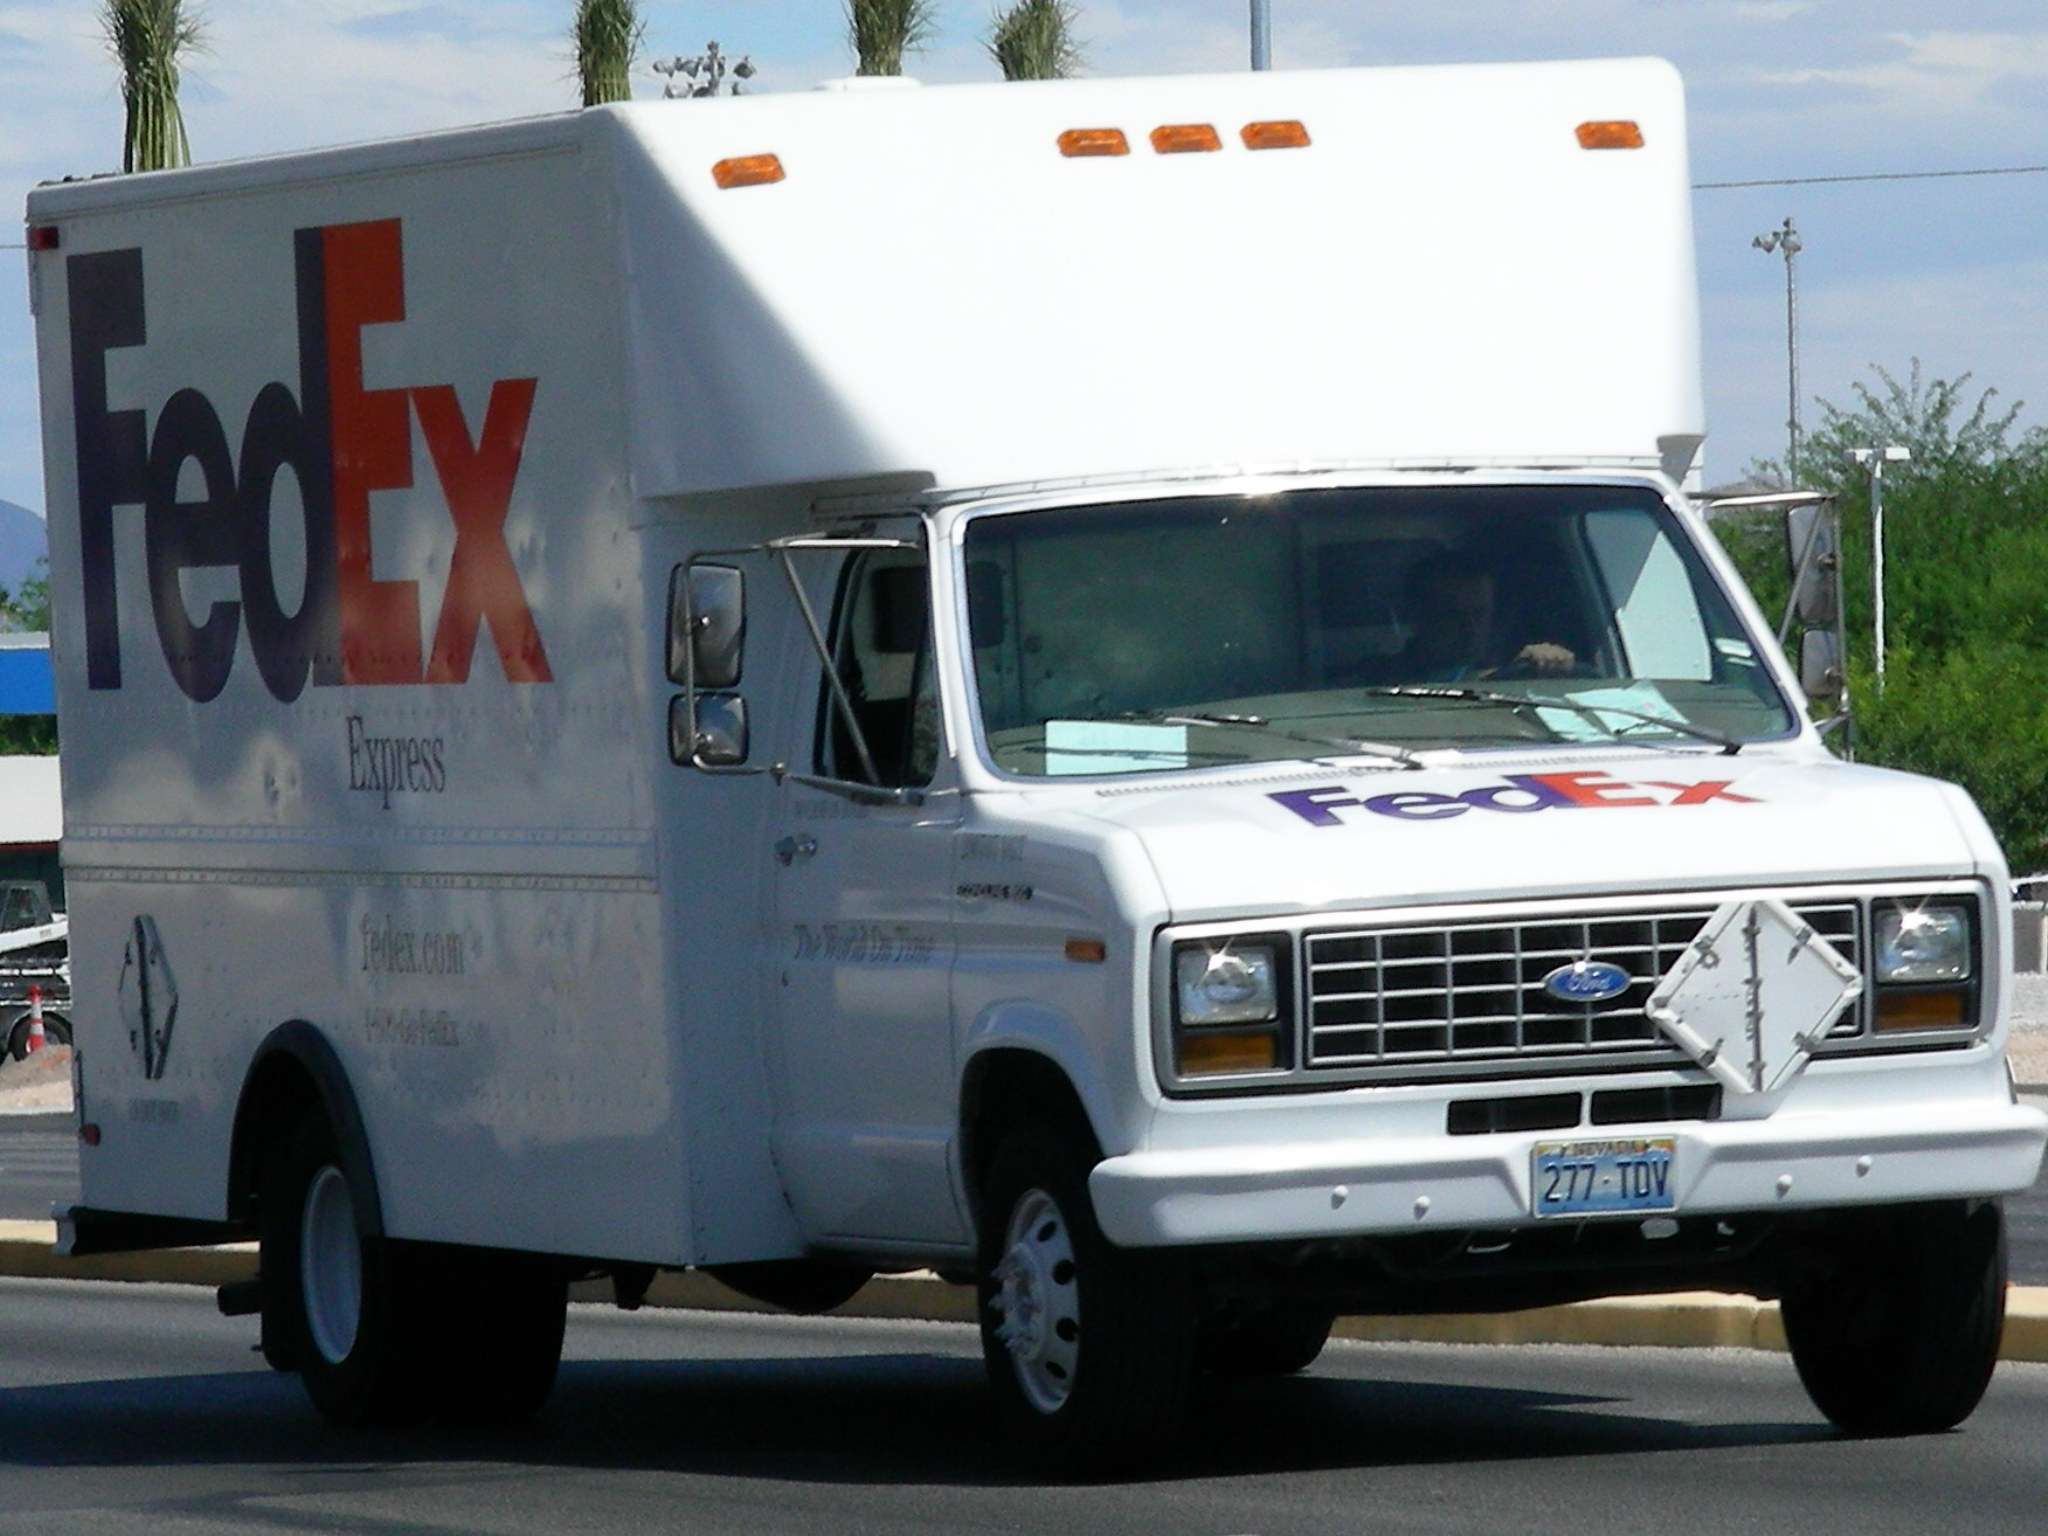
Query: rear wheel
{"points": [[1902, 1336], [501, 1333], [1089, 1346], [351, 1313]]}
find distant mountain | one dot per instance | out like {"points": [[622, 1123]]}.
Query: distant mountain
{"points": [[23, 541]]}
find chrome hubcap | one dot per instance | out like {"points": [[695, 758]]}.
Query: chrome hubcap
{"points": [[1038, 1301]]}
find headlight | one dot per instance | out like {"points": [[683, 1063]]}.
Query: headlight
{"points": [[1226, 984], [1917, 945]]}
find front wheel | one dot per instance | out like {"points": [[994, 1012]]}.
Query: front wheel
{"points": [[1902, 1336], [1089, 1346]]}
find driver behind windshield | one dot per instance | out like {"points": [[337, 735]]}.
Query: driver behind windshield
{"points": [[1455, 626]]}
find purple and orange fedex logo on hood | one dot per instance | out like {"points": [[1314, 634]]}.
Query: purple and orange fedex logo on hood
{"points": [[1515, 794]]}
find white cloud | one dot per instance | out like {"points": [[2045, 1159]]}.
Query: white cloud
{"points": [[1937, 71]]}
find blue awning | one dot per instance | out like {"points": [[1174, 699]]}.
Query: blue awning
{"points": [[27, 686]]}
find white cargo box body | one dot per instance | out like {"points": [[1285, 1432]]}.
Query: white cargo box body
{"points": [[377, 460]]}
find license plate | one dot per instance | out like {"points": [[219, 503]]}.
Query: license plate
{"points": [[1593, 1178]]}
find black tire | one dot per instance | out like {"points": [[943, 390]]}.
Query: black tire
{"points": [[499, 1341], [1089, 1346], [1262, 1341], [358, 1324], [56, 1031], [1902, 1336]]}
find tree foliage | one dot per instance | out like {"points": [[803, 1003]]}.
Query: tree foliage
{"points": [[148, 38], [1965, 693], [607, 35], [882, 31], [1034, 40]]}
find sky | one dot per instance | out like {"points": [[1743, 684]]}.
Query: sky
{"points": [[1947, 270]]}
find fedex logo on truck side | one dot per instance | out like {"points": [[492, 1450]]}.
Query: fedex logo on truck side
{"points": [[341, 442], [1516, 793]]}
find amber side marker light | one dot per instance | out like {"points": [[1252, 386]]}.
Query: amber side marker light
{"points": [[748, 171], [1619, 134], [1080, 143], [1277, 135], [1231, 1051], [1087, 951], [1918, 1010], [42, 237], [1186, 139]]}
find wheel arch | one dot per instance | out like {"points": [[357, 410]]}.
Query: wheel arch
{"points": [[294, 1070], [1003, 1086]]}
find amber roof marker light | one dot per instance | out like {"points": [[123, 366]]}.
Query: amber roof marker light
{"points": [[1617, 133], [1085, 143], [1283, 134], [748, 171], [1186, 139]]}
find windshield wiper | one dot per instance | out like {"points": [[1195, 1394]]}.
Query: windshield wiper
{"points": [[1729, 745], [1215, 720]]}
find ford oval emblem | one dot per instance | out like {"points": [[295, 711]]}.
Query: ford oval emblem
{"points": [[1586, 981]]}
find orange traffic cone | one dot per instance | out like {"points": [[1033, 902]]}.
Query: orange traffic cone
{"points": [[36, 1039]]}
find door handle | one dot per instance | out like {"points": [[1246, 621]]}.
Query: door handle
{"points": [[790, 849]]}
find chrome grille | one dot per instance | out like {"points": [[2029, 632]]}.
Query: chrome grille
{"points": [[1423, 996]]}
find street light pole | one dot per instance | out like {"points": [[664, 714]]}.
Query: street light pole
{"points": [[1262, 34], [1786, 240], [1873, 461]]}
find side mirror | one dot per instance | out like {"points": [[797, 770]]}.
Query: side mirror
{"points": [[717, 738], [1813, 554], [1820, 665], [707, 625]]}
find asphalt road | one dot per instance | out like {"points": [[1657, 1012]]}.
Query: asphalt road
{"points": [[39, 1167], [138, 1409]]}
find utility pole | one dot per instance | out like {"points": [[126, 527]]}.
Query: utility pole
{"points": [[1873, 461], [1262, 34], [1786, 242]]}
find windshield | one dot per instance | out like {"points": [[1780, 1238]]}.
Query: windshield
{"points": [[1205, 631]]}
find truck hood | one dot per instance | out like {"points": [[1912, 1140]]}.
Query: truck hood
{"points": [[1302, 842]]}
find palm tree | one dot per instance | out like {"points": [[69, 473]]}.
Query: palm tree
{"points": [[1034, 40], [148, 37], [607, 34], [884, 30]]}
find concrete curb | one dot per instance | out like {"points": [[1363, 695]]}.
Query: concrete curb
{"points": [[1686, 1320]]}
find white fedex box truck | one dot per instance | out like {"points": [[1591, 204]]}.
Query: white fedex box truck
{"points": [[1106, 688]]}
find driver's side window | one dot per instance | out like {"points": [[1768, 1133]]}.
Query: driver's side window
{"points": [[881, 650]]}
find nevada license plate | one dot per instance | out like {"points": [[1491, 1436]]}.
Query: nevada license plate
{"points": [[1595, 1178]]}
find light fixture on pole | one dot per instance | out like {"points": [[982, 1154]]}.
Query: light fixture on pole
{"points": [[1262, 34], [1786, 241], [1873, 461]]}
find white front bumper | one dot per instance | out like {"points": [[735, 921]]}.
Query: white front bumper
{"points": [[1357, 1186]]}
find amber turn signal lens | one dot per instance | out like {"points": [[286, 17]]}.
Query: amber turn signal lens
{"points": [[1278, 135], [1227, 1051], [1087, 951], [1919, 1010], [748, 171], [1620, 134], [1078, 143], [1186, 139]]}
